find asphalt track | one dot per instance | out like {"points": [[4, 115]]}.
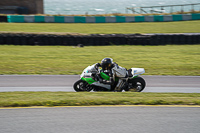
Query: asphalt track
{"points": [[99, 119], [131, 119], [182, 84]]}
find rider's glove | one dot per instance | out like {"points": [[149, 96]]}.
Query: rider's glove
{"points": [[97, 65]]}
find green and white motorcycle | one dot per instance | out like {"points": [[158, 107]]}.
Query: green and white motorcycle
{"points": [[130, 80]]}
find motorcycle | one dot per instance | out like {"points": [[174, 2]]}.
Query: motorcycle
{"points": [[131, 81]]}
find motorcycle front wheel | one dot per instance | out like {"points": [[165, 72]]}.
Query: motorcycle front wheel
{"points": [[136, 84], [81, 85]]}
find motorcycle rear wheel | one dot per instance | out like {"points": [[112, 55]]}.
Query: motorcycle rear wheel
{"points": [[136, 84], [81, 85]]}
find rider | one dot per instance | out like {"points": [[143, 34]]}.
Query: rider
{"points": [[112, 70]]}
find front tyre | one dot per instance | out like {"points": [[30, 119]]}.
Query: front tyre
{"points": [[136, 84], [81, 85]]}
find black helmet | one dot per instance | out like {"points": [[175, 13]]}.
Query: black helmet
{"points": [[106, 63]]}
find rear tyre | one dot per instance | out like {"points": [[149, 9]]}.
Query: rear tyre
{"points": [[81, 85], [136, 84]]}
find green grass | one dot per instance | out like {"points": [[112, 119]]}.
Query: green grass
{"points": [[24, 99], [56, 60], [105, 28], [157, 60]]}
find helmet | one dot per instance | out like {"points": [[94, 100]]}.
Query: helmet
{"points": [[106, 63]]}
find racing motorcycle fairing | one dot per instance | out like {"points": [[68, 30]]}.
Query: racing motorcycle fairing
{"points": [[129, 79], [137, 71], [88, 80], [87, 72]]}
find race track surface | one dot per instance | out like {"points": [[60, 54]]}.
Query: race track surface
{"points": [[101, 119], [183, 84], [131, 119]]}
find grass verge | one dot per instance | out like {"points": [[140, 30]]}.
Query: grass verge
{"points": [[26, 99], [57, 60], [105, 28]]}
